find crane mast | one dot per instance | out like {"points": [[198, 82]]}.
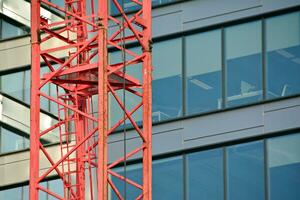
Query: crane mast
{"points": [[71, 69]]}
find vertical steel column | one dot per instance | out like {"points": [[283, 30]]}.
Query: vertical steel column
{"points": [[102, 100], [147, 101], [35, 100]]}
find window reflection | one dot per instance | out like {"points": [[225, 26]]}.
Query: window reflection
{"points": [[131, 6], [167, 80], [12, 194], [10, 141], [10, 28], [167, 179], [56, 186], [283, 55], [205, 175], [203, 71], [284, 167], [245, 174], [243, 63], [16, 89], [134, 173]]}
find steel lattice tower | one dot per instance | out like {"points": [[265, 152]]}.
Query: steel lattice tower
{"points": [[74, 51]]}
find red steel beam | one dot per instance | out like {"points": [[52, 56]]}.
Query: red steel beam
{"points": [[75, 50]]}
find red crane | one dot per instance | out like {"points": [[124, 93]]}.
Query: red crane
{"points": [[70, 56]]}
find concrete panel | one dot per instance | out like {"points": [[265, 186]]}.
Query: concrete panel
{"points": [[167, 23], [225, 122], [224, 137], [282, 119], [209, 9], [271, 5], [218, 19]]}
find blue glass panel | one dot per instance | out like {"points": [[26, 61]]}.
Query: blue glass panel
{"points": [[46, 90], [203, 70], [134, 173], [284, 167], [168, 179], [131, 6], [205, 175], [27, 86], [245, 171], [10, 141], [16, 89], [243, 64], [56, 186], [167, 80], [42, 195], [11, 194], [12, 29], [283, 55]]}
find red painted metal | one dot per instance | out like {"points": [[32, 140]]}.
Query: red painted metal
{"points": [[80, 75]]}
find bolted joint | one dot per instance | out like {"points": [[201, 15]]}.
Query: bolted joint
{"points": [[149, 47]]}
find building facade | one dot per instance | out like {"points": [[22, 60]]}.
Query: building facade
{"points": [[226, 101]]}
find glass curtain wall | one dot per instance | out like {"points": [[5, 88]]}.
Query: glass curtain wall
{"points": [[10, 28], [220, 68], [11, 141], [233, 172], [203, 72], [283, 55], [243, 47]]}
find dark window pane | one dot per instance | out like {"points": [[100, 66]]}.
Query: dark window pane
{"points": [[131, 6], [284, 167], [243, 64], [245, 168], [203, 70], [168, 179], [56, 186], [283, 55], [42, 195], [44, 102], [10, 141], [16, 89], [134, 173], [11, 194], [12, 29], [134, 70], [205, 175], [167, 80], [27, 87]]}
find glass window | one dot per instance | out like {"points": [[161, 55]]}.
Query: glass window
{"points": [[203, 71], [245, 171], [44, 102], [134, 70], [283, 55], [205, 175], [10, 141], [16, 89], [134, 173], [42, 194], [168, 178], [129, 5], [12, 194], [167, 80], [12, 29], [27, 86], [243, 63], [56, 186], [284, 167]]}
